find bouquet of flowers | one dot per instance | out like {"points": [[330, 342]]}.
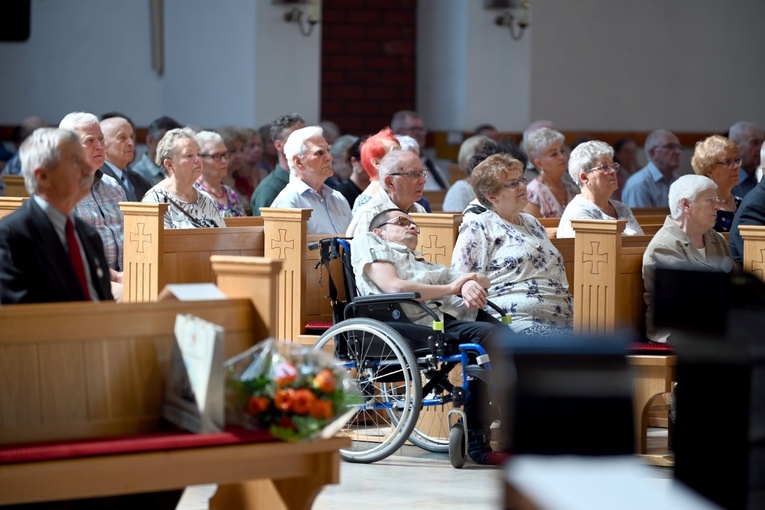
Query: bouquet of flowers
{"points": [[294, 392]]}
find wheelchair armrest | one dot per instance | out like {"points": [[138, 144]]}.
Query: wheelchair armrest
{"points": [[398, 297], [386, 298]]}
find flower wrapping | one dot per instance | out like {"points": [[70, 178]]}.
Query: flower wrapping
{"points": [[293, 391]]}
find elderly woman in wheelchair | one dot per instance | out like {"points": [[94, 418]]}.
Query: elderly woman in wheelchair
{"points": [[440, 363]]}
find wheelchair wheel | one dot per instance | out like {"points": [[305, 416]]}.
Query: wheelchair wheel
{"points": [[384, 368], [431, 432], [457, 453]]}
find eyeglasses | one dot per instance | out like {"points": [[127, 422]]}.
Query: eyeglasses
{"points": [[607, 169], [401, 221], [412, 176], [515, 184], [730, 163], [217, 157], [671, 147]]}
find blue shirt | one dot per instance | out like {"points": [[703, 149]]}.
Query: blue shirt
{"points": [[647, 188], [331, 212]]}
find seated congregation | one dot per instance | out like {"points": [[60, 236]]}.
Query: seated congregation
{"points": [[560, 255]]}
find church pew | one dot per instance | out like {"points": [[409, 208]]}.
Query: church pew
{"points": [[754, 249], [436, 199], [91, 371], [14, 186], [10, 204], [155, 256]]}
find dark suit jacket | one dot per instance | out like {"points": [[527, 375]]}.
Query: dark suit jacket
{"points": [[750, 212], [140, 185], [35, 266]]}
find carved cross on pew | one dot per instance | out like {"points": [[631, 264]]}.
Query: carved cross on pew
{"points": [[758, 266], [434, 251], [282, 244], [140, 237], [595, 257]]}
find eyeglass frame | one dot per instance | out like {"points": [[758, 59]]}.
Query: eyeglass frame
{"points": [[413, 175], [398, 222], [514, 184], [670, 146], [729, 164], [219, 157], [612, 167]]}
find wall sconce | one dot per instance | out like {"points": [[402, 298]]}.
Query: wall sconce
{"points": [[296, 15], [517, 25]]}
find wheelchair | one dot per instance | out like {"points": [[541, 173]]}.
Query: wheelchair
{"points": [[412, 388]]}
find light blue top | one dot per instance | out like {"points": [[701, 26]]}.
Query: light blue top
{"points": [[331, 212], [647, 188]]}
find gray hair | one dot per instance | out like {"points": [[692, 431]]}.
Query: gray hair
{"points": [[75, 120], [469, 148], [539, 140], [205, 137], [538, 124], [584, 155], [295, 144], [42, 149], [654, 138], [688, 187], [739, 131], [407, 143], [393, 162], [339, 148], [281, 124], [166, 146]]}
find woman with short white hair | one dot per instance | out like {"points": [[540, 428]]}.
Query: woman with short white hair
{"points": [[592, 167], [549, 193], [687, 240]]}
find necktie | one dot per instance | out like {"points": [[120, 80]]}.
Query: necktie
{"points": [[76, 257], [128, 188]]}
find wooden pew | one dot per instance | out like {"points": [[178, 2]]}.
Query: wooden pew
{"points": [[96, 370], [754, 249], [436, 199], [155, 256], [10, 204], [14, 186]]}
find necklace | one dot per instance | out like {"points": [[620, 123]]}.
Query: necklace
{"points": [[216, 195]]}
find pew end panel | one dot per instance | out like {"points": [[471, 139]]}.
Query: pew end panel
{"points": [[144, 242], [754, 249], [438, 233], [302, 289]]}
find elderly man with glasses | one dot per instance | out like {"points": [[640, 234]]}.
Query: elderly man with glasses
{"points": [[649, 187], [384, 261], [402, 179]]}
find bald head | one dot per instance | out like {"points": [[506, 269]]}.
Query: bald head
{"points": [[119, 140]]}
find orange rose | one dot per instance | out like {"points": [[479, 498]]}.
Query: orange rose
{"points": [[302, 400], [283, 399], [256, 405], [325, 381], [321, 409]]}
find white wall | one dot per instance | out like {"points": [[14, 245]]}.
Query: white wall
{"points": [[95, 55], [687, 65]]}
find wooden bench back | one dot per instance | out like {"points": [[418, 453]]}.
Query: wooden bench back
{"points": [[155, 256], [81, 370], [14, 186], [10, 204]]}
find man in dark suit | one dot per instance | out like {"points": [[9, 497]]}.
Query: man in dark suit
{"points": [[46, 253], [119, 142]]}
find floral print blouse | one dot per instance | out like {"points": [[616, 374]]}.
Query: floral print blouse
{"points": [[528, 278]]}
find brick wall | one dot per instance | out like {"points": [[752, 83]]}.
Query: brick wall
{"points": [[368, 62]]}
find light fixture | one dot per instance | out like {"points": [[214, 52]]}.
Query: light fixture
{"points": [[517, 25], [296, 15]]}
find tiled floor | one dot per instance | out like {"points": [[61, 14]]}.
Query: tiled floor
{"points": [[413, 478]]}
